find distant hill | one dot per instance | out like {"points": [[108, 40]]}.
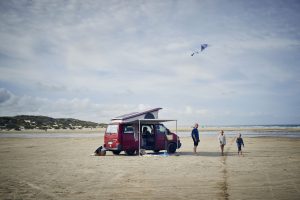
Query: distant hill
{"points": [[21, 122]]}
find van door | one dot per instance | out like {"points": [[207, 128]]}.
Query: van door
{"points": [[130, 137], [160, 137]]}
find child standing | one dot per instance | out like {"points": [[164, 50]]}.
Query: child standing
{"points": [[240, 142], [222, 140]]}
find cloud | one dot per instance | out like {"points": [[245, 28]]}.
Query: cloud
{"points": [[83, 108], [93, 58], [4, 95]]}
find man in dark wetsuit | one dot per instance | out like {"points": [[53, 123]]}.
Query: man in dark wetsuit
{"points": [[195, 136]]}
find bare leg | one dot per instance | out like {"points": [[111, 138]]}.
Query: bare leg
{"points": [[222, 149]]}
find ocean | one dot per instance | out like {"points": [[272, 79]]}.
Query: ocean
{"points": [[289, 130], [292, 131]]}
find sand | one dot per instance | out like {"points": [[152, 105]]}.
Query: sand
{"points": [[62, 168]]}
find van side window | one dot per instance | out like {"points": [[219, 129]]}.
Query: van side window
{"points": [[160, 128], [128, 129]]}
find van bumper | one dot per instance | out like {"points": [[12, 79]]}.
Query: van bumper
{"points": [[118, 148], [179, 145]]}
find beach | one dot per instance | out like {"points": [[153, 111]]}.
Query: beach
{"points": [[63, 168]]}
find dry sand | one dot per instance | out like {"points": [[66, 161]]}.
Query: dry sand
{"points": [[62, 168]]}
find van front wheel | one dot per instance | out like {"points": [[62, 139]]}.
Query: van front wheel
{"points": [[130, 152], [171, 148], [116, 152]]}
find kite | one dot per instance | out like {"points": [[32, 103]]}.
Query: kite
{"points": [[194, 53], [203, 46]]}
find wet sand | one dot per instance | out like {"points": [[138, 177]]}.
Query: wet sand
{"points": [[62, 168]]}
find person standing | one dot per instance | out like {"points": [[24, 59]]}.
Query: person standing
{"points": [[195, 136], [222, 140], [240, 142]]}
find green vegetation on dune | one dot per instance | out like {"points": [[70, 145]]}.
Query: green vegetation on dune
{"points": [[21, 122]]}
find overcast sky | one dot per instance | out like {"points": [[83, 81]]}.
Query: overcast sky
{"points": [[94, 60]]}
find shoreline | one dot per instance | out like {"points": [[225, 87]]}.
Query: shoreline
{"points": [[253, 132], [54, 131], [180, 129], [254, 129], [100, 135]]}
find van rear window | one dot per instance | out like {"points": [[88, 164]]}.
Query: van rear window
{"points": [[112, 129]]}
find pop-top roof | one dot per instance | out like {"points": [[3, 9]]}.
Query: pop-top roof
{"points": [[147, 114]]}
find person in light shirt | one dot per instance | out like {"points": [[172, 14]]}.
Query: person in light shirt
{"points": [[222, 140]]}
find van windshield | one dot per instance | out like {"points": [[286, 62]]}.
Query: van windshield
{"points": [[112, 129]]}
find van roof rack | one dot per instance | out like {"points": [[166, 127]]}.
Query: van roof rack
{"points": [[147, 114]]}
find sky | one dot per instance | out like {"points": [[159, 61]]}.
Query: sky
{"points": [[94, 60]]}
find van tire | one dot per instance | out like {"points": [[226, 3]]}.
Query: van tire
{"points": [[130, 152], [171, 148], [116, 152]]}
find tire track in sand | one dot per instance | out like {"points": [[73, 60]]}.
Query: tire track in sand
{"points": [[224, 184]]}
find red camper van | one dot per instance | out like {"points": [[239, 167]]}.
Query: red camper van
{"points": [[140, 130]]}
